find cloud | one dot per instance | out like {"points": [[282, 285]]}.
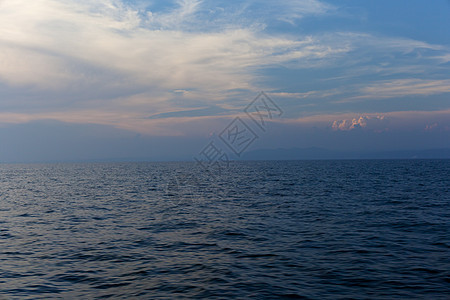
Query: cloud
{"points": [[232, 14], [414, 121], [430, 127], [292, 10], [106, 56], [396, 88], [43, 41], [405, 87], [445, 58], [112, 63], [184, 12], [361, 122], [437, 127]]}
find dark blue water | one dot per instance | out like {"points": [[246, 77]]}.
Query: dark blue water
{"points": [[259, 230]]}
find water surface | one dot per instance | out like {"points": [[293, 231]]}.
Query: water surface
{"points": [[269, 230]]}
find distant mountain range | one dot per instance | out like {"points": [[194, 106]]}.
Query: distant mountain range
{"points": [[321, 153]]}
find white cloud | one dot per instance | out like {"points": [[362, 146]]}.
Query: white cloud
{"points": [[405, 87], [183, 13], [292, 10], [128, 64], [361, 122], [42, 40], [396, 88]]}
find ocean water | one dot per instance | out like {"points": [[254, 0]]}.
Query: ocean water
{"points": [[369, 229]]}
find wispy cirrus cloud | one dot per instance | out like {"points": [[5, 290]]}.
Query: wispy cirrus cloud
{"points": [[183, 13], [398, 88], [48, 42], [406, 87], [111, 56]]}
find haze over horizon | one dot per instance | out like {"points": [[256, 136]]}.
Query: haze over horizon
{"points": [[108, 79]]}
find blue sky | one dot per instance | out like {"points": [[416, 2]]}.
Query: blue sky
{"points": [[158, 79]]}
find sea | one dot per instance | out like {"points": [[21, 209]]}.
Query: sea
{"points": [[330, 229]]}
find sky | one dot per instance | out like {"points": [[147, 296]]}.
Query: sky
{"points": [[160, 80]]}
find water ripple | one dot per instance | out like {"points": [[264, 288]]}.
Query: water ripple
{"points": [[265, 230]]}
